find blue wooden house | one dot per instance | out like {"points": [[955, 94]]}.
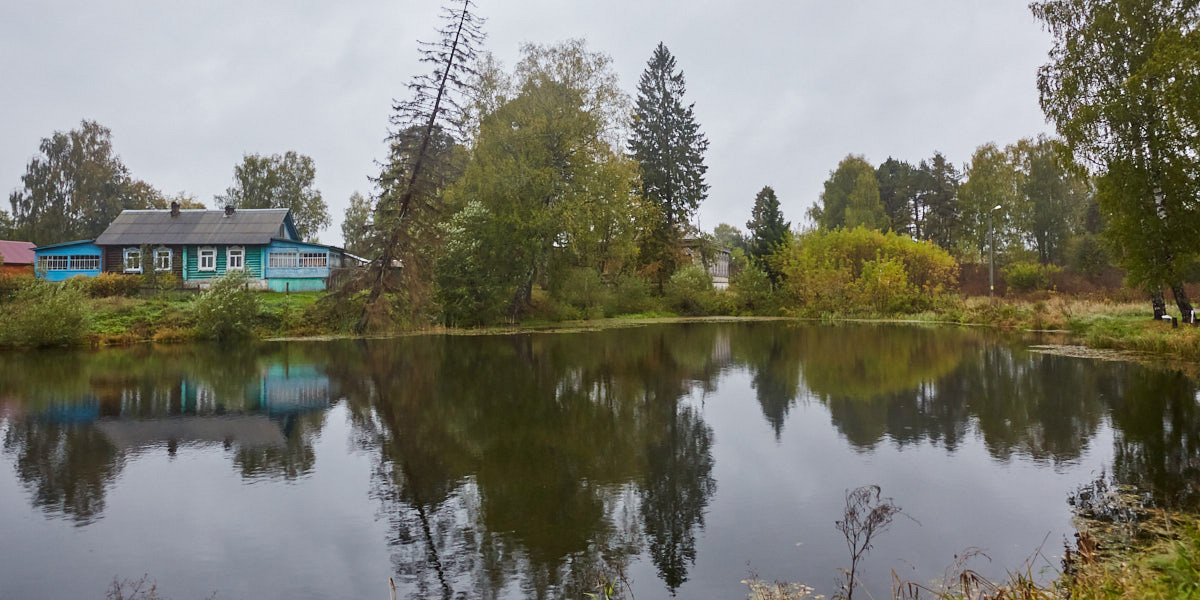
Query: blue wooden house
{"points": [[199, 246]]}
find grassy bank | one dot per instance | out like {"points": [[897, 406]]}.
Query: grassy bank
{"points": [[40, 314]]}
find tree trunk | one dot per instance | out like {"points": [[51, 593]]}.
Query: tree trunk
{"points": [[521, 297], [1160, 306], [1181, 300]]}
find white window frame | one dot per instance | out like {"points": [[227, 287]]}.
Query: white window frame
{"points": [[158, 254], [313, 260], [288, 258], [235, 258], [132, 254], [54, 262], [206, 252], [90, 262]]}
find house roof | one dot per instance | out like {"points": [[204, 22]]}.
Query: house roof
{"points": [[16, 253], [63, 244], [244, 226]]}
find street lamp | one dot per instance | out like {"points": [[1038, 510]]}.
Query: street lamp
{"points": [[992, 253]]}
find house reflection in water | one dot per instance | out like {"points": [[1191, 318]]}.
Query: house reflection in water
{"points": [[266, 416], [264, 412]]}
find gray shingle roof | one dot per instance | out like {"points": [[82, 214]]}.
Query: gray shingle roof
{"points": [[245, 226]]}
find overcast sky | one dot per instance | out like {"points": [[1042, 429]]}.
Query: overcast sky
{"points": [[783, 89]]}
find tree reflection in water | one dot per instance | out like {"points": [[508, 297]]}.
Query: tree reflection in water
{"points": [[529, 465]]}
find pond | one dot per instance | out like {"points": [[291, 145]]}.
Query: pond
{"points": [[512, 466]]}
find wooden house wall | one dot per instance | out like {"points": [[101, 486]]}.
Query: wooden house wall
{"points": [[114, 259], [254, 262]]}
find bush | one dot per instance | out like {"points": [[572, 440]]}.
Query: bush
{"points": [[690, 292], [45, 314], [106, 285], [582, 289], [883, 286], [752, 286], [1029, 276], [862, 270], [631, 295], [228, 309], [11, 284]]}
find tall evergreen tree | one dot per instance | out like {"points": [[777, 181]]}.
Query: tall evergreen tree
{"points": [[667, 142], [895, 191], [766, 226], [767, 229], [421, 163], [936, 201]]}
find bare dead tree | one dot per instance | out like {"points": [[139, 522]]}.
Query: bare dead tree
{"points": [[866, 515], [425, 129]]}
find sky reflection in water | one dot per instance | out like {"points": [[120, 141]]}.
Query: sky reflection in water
{"points": [[520, 466]]}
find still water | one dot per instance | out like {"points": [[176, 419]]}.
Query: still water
{"points": [[515, 466]]}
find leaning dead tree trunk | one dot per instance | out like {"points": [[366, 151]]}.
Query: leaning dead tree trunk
{"points": [[424, 130]]}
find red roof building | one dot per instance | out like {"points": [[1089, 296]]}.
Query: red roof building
{"points": [[17, 257]]}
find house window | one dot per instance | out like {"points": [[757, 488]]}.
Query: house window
{"points": [[208, 259], [52, 263], [133, 260], [235, 259], [85, 262], [162, 259], [283, 259], [310, 260]]}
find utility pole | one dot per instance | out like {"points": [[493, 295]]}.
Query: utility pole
{"points": [[992, 253]]}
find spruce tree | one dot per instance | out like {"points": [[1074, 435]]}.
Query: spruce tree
{"points": [[667, 142], [768, 230]]}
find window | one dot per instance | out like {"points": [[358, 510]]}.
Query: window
{"points": [[283, 259], [235, 259], [52, 263], [85, 262], [133, 260], [162, 259], [311, 260], [208, 259]]}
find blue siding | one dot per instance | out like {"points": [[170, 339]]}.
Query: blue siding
{"points": [[277, 284], [75, 249], [296, 272]]}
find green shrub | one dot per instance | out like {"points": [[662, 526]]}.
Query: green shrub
{"points": [[106, 285], [752, 286], [583, 289], [824, 271], [45, 314], [228, 309], [631, 295], [690, 291], [11, 284], [883, 286], [1029, 276]]}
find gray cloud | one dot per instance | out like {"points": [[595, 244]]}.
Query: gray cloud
{"points": [[784, 90]]}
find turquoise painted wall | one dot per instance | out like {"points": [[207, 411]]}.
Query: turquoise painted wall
{"points": [[254, 268], [81, 249], [277, 284]]}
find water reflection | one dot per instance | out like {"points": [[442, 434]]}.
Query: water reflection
{"points": [[70, 432], [525, 465]]}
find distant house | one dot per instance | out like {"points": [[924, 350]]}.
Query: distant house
{"points": [[17, 257], [198, 246], [715, 258]]}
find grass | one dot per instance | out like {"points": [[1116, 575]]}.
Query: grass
{"points": [[1101, 324]]}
